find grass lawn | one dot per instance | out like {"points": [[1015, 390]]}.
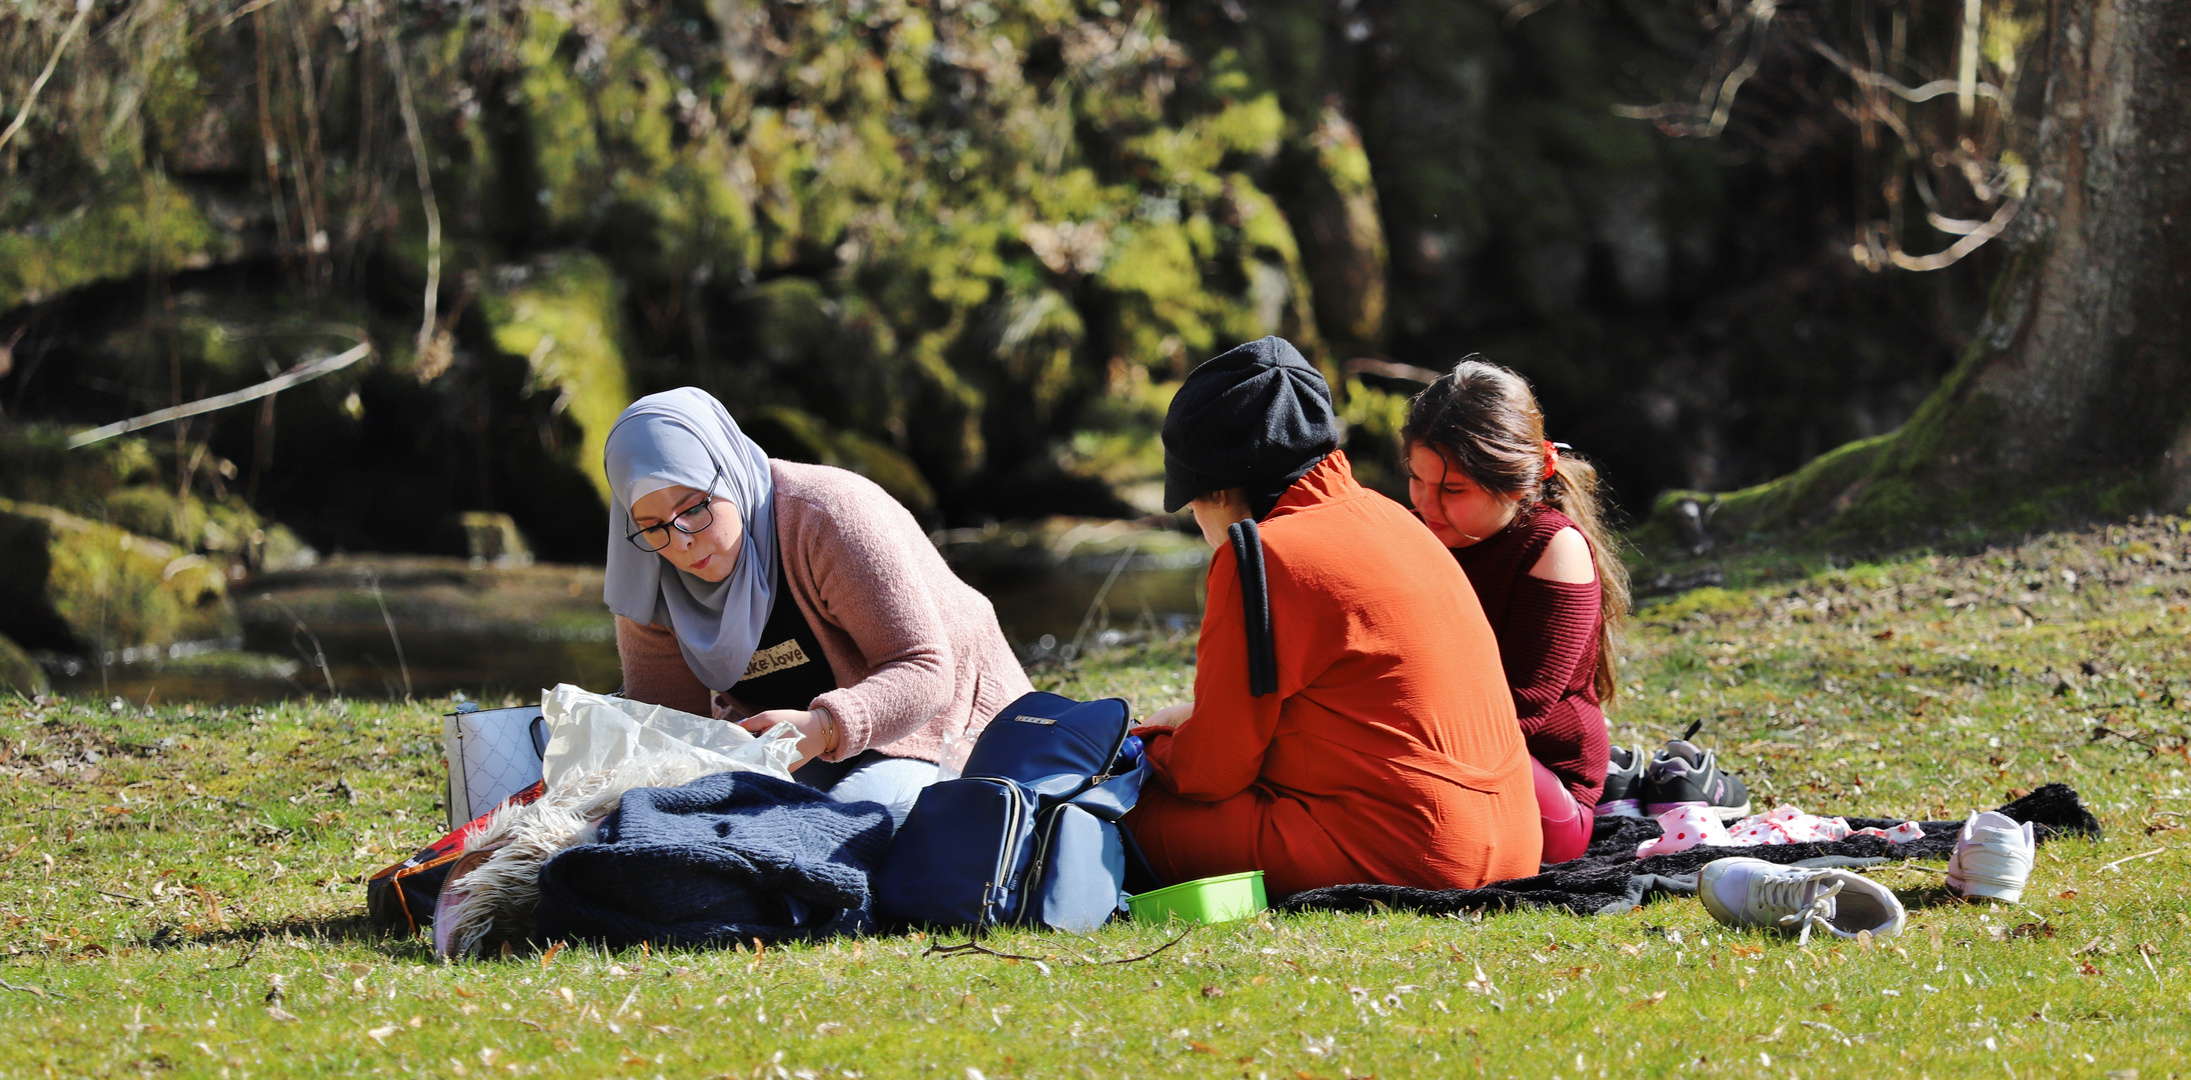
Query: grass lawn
{"points": [[179, 887]]}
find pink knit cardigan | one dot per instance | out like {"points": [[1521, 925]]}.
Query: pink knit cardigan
{"points": [[916, 652]]}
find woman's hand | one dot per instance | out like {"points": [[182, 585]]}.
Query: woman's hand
{"points": [[1170, 716], [817, 730]]}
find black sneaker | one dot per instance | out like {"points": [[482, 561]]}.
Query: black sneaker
{"points": [[1623, 784], [1684, 774]]}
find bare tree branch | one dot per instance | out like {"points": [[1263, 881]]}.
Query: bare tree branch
{"points": [[83, 10], [426, 326], [305, 372], [1914, 95], [1716, 101], [1369, 365], [1877, 249]]}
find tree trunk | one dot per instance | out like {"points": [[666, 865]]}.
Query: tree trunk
{"points": [[2075, 398], [2084, 364]]}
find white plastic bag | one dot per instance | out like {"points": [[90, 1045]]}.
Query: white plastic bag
{"points": [[591, 733], [599, 747]]}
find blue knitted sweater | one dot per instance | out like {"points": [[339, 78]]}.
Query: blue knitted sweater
{"points": [[723, 859]]}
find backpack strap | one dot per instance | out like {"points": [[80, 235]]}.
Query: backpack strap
{"points": [[1247, 550]]}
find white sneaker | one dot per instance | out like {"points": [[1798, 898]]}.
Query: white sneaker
{"points": [[1992, 858], [1752, 892]]}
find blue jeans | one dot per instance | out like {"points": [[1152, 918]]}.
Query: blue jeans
{"points": [[871, 776]]}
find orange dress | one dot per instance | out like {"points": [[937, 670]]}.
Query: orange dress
{"points": [[1389, 753]]}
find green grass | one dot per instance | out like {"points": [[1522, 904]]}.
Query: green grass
{"points": [[166, 870]]}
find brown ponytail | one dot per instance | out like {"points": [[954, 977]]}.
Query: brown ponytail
{"points": [[1484, 420]]}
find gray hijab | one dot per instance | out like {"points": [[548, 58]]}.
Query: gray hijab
{"points": [[685, 437]]}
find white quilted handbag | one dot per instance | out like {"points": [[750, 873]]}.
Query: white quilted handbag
{"points": [[493, 754]]}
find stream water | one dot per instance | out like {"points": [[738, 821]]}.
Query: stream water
{"points": [[387, 627]]}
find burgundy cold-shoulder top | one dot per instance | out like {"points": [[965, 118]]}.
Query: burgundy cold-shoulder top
{"points": [[1548, 643]]}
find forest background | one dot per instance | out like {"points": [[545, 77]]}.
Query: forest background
{"points": [[968, 248]]}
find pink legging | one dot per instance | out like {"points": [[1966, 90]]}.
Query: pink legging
{"points": [[1566, 827]]}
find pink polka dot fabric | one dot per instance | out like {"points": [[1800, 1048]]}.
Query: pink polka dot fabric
{"points": [[1685, 827]]}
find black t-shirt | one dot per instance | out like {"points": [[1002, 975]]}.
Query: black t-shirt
{"points": [[788, 669]]}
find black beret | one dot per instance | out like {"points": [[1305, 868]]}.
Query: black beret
{"points": [[1256, 417]]}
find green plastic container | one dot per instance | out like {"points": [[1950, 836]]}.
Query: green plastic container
{"points": [[1209, 900]]}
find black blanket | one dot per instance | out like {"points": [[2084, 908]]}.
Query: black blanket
{"points": [[1609, 879]]}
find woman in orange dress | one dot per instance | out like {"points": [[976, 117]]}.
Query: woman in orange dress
{"points": [[1379, 742]]}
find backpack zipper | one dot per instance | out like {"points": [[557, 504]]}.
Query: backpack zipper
{"points": [[1000, 886], [1044, 835], [1125, 729]]}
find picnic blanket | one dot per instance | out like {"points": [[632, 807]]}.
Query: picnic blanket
{"points": [[1610, 879]]}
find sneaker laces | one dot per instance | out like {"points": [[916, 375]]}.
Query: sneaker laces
{"points": [[1688, 754], [1806, 911]]}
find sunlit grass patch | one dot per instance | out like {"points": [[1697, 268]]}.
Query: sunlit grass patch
{"points": [[179, 890]]}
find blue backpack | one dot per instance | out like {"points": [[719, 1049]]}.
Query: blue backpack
{"points": [[1028, 834]]}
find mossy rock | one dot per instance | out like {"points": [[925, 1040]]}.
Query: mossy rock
{"points": [[72, 584], [1871, 495], [1120, 440], [787, 433], [560, 312], [494, 538], [18, 672], [123, 483], [1691, 522], [144, 222], [37, 466]]}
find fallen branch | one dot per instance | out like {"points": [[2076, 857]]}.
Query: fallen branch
{"points": [[305, 372], [974, 945], [83, 11], [1152, 952], [31, 990], [2117, 864]]}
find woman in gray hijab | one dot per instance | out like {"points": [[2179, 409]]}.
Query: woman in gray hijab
{"points": [[763, 591]]}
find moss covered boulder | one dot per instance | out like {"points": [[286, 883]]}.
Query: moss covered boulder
{"points": [[72, 584], [561, 314], [125, 483], [144, 226], [797, 436], [18, 672]]}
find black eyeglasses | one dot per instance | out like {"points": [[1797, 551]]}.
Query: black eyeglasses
{"points": [[691, 520]]}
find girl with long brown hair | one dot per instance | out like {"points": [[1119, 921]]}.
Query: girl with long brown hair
{"points": [[1524, 521]]}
